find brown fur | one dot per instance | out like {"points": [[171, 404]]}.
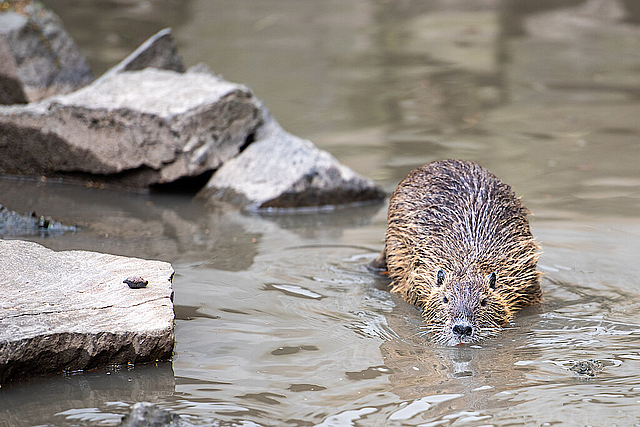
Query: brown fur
{"points": [[456, 216]]}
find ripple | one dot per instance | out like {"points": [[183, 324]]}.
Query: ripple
{"points": [[346, 418], [293, 290], [421, 405]]}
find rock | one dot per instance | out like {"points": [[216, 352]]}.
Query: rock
{"points": [[200, 68], [145, 414], [137, 129], [10, 85], [279, 170], [48, 61], [68, 311], [587, 368], [161, 127], [14, 224], [159, 51]]}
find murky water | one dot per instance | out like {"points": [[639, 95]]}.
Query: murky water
{"points": [[279, 321]]}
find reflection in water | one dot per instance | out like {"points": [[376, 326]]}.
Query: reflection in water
{"points": [[97, 396], [171, 228], [422, 368]]}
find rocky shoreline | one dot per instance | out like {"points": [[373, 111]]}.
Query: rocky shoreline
{"points": [[147, 123], [151, 122]]}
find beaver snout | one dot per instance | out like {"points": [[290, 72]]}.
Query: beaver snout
{"points": [[462, 330]]}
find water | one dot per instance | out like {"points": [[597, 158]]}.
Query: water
{"points": [[278, 320]]}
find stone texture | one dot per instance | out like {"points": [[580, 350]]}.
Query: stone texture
{"points": [[281, 171], [135, 128], [70, 310], [10, 85], [156, 127], [47, 59], [159, 51]]}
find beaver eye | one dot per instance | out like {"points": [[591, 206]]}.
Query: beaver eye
{"points": [[440, 278], [492, 280], [445, 299], [483, 302]]}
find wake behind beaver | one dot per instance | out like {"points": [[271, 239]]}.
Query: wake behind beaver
{"points": [[459, 246]]}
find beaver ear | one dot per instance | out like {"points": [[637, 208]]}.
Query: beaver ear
{"points": [[440, 278], [492, 280]]}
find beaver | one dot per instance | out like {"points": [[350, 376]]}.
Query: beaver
{"points": [[458, 245]]}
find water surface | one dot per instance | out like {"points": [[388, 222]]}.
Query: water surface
{"points": [[279, 322]]}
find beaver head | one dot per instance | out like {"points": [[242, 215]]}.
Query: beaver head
{"points": [[463, 307]]}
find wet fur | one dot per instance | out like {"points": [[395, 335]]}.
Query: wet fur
{"points": [[456, 216]]}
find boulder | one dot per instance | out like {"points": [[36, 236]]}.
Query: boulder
{"points": [[159, 51], [69, 311], [140, 126], [136, 129], [281, 171], [47, 59]]}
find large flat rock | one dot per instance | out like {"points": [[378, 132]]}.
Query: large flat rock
{"points": [[71, 310], [136, 129]]}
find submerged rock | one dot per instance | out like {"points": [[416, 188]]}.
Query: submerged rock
{"points": [[281, 171], [48, 61], [587, 368], [69, 311], [145, 414], [15, 224], [136, 129]]}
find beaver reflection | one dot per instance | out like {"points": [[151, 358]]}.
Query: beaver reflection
{"points": [[418, 368], [458, 245]]}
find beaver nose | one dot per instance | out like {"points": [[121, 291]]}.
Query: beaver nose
{"points": [[462, 330]]}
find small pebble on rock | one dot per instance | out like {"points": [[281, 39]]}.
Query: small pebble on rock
{"points": [[136, 282]]}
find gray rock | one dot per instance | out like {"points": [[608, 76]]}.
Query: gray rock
{"points": [[200, 68], [145, 414], [71, 311], [47, 59], [135, 128], [587, 368], [156, 127], [159, 51], [280, 171], [14, 224], [10, 85]]}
